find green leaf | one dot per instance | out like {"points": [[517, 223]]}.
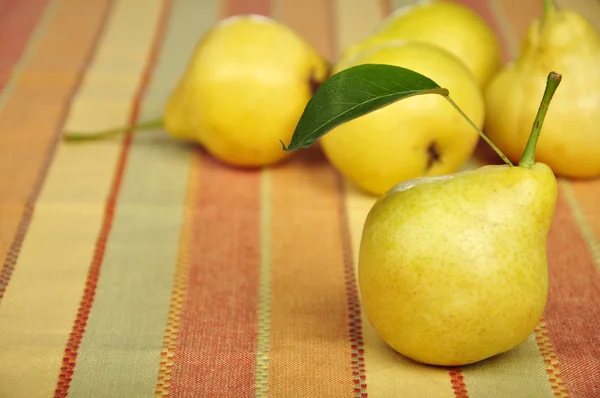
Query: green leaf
{"points": [[354, 92]]}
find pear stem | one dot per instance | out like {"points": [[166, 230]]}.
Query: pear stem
{"points": [[81, 136], [494, 147], [527, 160], [549, 7]]}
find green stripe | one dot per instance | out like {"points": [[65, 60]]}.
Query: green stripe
{"points": [[264, 292], [395, 4], [520, 372], [119, 355]]}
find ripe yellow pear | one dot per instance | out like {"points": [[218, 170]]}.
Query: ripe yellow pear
{"points": [[244, 89], [453, 269], [570, 143], [418, 136], [447, 24]]}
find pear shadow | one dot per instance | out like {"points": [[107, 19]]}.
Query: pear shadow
{"points": [[522, 353], [313, 163], [485, 155], [489, 362]]}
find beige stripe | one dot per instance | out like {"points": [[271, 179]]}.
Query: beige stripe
{"points": [[105, 99], [40, 305], [264, 292], [401, 3], [356, 19], [277, 7], [388, 373]]}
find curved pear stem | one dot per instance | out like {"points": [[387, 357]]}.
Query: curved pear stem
{"points": [[490, 143], [527, 160], [81, 136]]}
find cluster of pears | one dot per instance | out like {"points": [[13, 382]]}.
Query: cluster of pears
{"points": [[452, 269], [445, 41], [239, 103], [452, 265], [250, 77], [455, 47]]}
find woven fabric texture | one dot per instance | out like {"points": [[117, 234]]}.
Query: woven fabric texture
{"points": [[140, 266]]}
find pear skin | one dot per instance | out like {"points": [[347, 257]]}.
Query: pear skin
{"points": [[244, 89], [418, 136], [570, 141], [453, 269], [447, 24]]}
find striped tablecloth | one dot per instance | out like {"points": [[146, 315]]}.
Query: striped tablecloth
{"points": [[139, 266]]}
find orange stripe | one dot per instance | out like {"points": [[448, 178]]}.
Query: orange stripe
{"points": [[458, 383], [586, 194], [386, 8], [218, 329], [207, 354], [357, 349], [238, 7], [72, 347], [572, 314], [333, 362], [310, 19], [310, 351], [17, 30], [519, 15], [179, 285]]}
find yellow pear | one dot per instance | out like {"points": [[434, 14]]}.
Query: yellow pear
{"points": [[570, 143], [244, 89], [418, 136], [448, 24], [453, 269]]}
